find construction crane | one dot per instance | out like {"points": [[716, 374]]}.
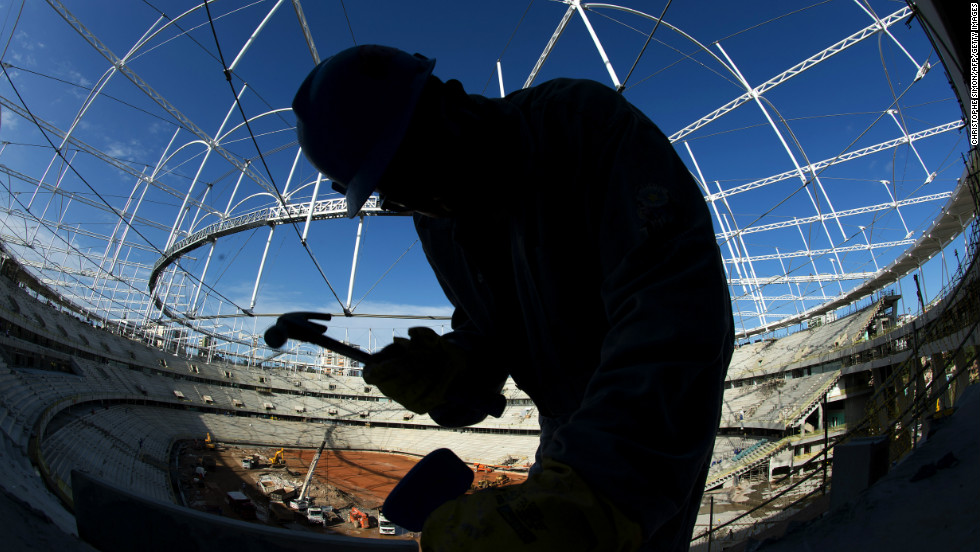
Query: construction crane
{"points": [[309, 474]]}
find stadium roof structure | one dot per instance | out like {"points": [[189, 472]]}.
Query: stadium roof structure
{"points": [[153, 177]]}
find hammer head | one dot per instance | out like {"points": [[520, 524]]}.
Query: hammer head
{"points": [[438, 478], [295, 324]]}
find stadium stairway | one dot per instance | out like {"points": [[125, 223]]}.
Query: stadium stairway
{"points": [[926, 502]]}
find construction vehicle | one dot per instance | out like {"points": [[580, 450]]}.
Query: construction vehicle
{"points": [[282, 495], [385, 527], [500, 481], [250, 462], [304, 490], [315, 515], [484, 468], [322, 515], [358, 517], [240, 504], [208, 442], [277, 460]]}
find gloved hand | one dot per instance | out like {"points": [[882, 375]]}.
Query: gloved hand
{"points": [[422, 373], [553, 510]]}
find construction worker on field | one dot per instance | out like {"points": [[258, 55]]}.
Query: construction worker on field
{"points": [[580, 258]]}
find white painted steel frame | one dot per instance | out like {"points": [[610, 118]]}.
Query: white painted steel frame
{"points": [[177, 295]]}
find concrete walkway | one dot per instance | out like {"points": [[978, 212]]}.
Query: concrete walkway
{"points": [[937, 512]]}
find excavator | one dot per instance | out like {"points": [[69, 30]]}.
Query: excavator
{"points": [[358, 517], [208, 442], [277, 460]]}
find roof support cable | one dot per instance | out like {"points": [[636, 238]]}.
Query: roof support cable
{"points": [[85, 182], [622, 85], [506, 45], [248, 127]]}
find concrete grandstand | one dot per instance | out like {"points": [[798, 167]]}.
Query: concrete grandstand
{"points": [[116, 392], [77, 397]]}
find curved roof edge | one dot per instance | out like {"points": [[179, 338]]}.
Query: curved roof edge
{"points": [[957, 214], [272, 216]]}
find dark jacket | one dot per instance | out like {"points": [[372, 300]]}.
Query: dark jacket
{"points": [[595, 281]]}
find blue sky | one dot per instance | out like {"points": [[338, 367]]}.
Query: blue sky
{"points": [[834, 108]]}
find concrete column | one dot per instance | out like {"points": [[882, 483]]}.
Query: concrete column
{"points": [[917, 387], [938, 382], [884, 395], [961, 376]]}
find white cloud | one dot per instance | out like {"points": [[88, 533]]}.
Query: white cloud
{"points": [[372, 307], [129, 150], [9, 121], [27, 60], [79, 78]]}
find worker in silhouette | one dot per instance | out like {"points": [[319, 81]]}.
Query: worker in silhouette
{"points": [[580, 258]]}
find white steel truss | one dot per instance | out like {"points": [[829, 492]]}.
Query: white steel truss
{"points": [[125, 270]]}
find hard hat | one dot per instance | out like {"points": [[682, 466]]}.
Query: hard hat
{"points": [[352, 112]]}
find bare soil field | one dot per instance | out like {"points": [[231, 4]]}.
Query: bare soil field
{"points": [[343, 479]]}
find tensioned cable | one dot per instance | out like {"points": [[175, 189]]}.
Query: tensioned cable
{"points": [[231, 261], [507, 44], [622, 85], [382, 277], [16, 21], [116, 212], [813, 180], [684, 56], [186, 33], [891, 88], [802, 186], [68, 243], [689, 56], [777, 18], [846, 148], [349, 28], [90, 89], [272, 181]]}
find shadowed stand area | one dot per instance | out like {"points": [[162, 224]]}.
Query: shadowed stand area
{"points": [[926, 502], [114, 520]]}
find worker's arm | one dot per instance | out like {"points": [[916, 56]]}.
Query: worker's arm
{"points": [[456, 378], [644, 432]]}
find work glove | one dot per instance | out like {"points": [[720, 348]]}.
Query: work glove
{"points": [[422, 373], [553, 510]]}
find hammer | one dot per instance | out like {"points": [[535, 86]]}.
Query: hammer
{"points": [[299, 325]]}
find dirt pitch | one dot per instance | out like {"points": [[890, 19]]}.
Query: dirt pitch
{"points": [[368, 476], [342, 479]]}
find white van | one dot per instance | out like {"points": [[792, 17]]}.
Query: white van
{"points": [[385, 527], [315, 514]]}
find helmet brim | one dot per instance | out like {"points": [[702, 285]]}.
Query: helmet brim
{"points": [[366, 181], [351, 131]]}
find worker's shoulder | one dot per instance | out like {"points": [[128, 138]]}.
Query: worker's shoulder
{"points": [[581, 86], [565, 89], [563, 101]]}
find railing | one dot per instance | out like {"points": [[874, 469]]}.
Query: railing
{"points": [[900, 402], [749, 450]]}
